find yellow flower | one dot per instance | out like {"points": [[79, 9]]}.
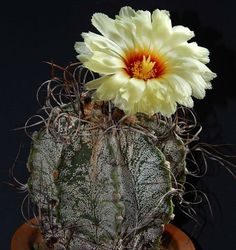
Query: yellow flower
{"points": [[146, 65]]}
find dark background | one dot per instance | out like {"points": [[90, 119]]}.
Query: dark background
{"points": [[35, 32]]}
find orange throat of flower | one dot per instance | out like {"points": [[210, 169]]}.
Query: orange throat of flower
{"points": [[144, 66]]}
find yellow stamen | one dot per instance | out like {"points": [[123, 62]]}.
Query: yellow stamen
{"points": [[144, 66], [143, 69]]}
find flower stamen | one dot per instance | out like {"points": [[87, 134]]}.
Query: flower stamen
{"points": [[144, 67]]}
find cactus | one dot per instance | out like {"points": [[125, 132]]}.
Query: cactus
{"points": [[112, 154], [105, 181]]}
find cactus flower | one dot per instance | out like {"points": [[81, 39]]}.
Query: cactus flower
{"points": [[145, 64]]}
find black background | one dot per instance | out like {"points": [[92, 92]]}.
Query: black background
{"points": [[35, 32]]}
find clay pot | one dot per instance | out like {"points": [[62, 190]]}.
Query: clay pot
{"points": [[28, 235], [176, 239]]}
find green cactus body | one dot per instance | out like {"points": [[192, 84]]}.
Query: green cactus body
{"points": [[105, 188]]}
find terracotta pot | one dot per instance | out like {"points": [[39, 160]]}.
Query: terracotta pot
{"points": [[177, 239], [28, 235]]}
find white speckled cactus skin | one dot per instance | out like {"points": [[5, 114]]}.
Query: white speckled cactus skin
{"points": [[105, 186], [101, 180]]}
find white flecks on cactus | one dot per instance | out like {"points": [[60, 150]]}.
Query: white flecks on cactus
{"points": [[112, 188], [45, 156]]}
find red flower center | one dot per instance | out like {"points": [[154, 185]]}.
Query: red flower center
{"points": [[144, 66]]}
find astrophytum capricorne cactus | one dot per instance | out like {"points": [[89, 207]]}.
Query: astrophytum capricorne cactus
{"points": [[111, 156], [105, 181]]}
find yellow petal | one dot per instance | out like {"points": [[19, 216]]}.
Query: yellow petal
{"points": [[143, 29], [125, 34], [187, 102], [161, 27], [108, 86], [104, 64], [179, 85], [155, 89], [117, 31], [197, 84], [126, 12], [103, 23], [133, 91], [94, 84], [189, 64], [179, 35], [168, 109], [80, 47], [100, 43], [83, 58], [190, 50]]}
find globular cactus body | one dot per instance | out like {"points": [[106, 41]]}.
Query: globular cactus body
{"points": [[108, 187]]}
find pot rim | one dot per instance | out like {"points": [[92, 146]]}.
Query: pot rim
{"points": [[28, 234]]}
